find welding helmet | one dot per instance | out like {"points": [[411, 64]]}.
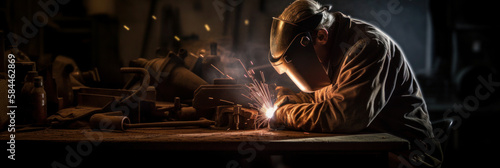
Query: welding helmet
{"points": [[292, 52]]}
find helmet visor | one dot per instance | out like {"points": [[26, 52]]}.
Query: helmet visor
{"points": [[282, 34]]}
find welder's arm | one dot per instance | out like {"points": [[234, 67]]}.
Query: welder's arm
{"points": [[351, 102], [287, 96]]}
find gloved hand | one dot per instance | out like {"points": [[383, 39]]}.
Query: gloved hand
{"points": [[274, 124], [285, 96]]}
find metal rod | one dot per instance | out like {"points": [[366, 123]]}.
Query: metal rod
{"points": [[201, 123]]}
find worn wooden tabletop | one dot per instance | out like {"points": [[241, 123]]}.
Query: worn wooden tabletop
{"points": [[206, 139]]}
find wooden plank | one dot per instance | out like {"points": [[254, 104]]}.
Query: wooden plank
{"points": [[198, 139]]}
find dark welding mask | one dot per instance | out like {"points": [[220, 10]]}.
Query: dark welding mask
{"points": [[292, 52]]}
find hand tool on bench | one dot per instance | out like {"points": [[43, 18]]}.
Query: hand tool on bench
{"points": [[116, 121]]}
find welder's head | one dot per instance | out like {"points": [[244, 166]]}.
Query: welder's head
{"points": [[298, 43]]}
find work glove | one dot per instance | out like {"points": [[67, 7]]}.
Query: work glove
{"points": [[285, 96]]}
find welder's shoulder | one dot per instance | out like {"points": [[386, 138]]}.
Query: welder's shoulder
{"points": [[370, 43], [373, 49]]}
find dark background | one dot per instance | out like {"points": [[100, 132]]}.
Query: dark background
{"points": [[449, 44]]}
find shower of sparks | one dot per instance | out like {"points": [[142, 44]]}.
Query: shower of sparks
{"points": [[126, 27], [259, 93], [261, 96]]}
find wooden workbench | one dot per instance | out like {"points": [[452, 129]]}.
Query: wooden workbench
{"points": [[229, 147]]}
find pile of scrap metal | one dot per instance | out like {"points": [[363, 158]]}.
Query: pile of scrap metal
{"points": [[166, 91]]}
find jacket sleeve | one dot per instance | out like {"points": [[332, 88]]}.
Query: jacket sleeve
{"points": [[350, 103]]}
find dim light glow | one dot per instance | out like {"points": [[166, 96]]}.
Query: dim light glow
{"points": [[177, 38], [207, 27], [247, 22], [126, 27]]}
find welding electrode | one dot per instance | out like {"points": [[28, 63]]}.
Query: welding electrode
{"points": [[118, 122]]}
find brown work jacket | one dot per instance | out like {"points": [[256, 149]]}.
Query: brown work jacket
{"points": [[373, 89]]}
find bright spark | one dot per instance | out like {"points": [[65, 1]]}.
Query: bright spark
{"points": [[230, 102], [207, 27], [218, 69], [126, 27], [177, 38], [154, 17], [270, 112]]}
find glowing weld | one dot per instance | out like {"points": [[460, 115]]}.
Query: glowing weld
{"points": [[270, 112]]}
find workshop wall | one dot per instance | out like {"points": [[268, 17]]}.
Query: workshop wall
{"points": [[242, 28], [108, 34]]}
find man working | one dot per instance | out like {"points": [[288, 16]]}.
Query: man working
{"points": [[353, 76]]}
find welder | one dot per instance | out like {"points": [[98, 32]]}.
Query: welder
{"points": [[353, 78]]}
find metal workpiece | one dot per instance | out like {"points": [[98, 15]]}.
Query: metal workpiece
{"points": [[181, 83], [224, 91], [208, 97], [182, 112], [194, 63], [116, 121], [91, 77], [136, 102], [145, 81], [139, 104], [67, 75], [109, 120], [236, 117], [169, 75], [150, 93]]}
